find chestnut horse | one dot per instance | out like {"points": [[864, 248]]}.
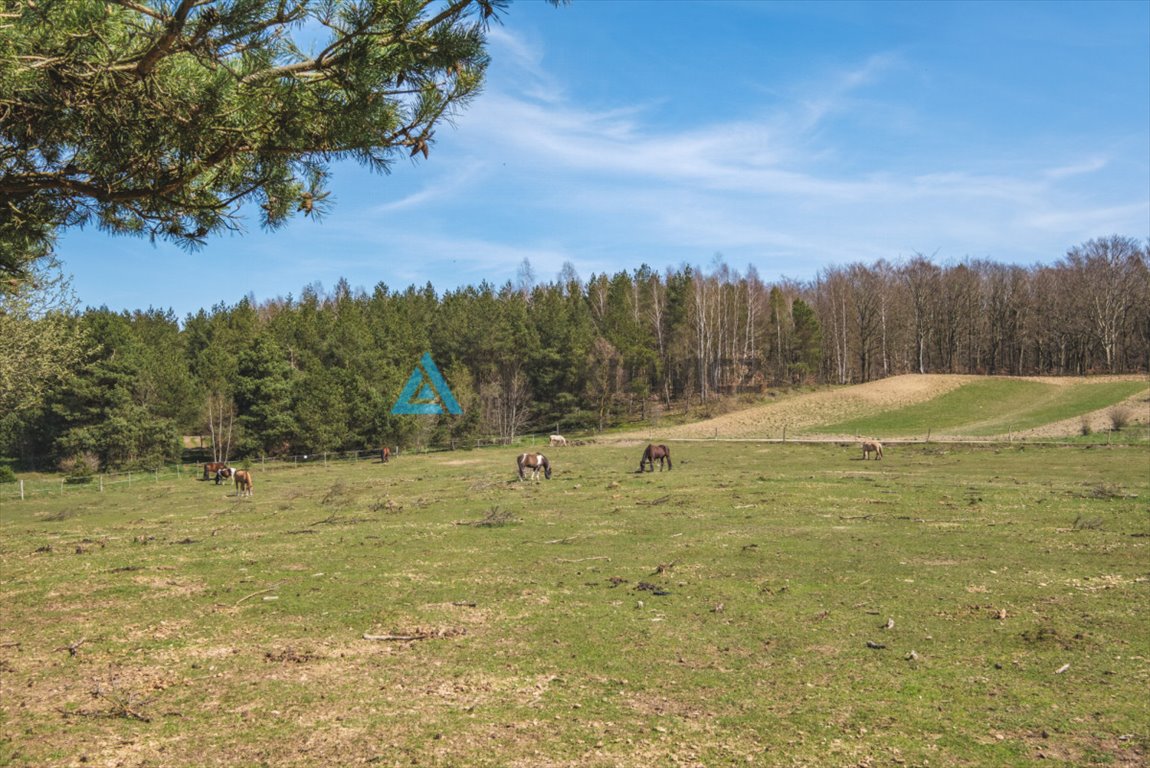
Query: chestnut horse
{"points": [[872, 446], [212, 468], [243, 482], [384, 454], [534, 462], [660, 452]]}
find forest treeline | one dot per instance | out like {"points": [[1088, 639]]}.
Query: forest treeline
{"points": [[321, 372]]}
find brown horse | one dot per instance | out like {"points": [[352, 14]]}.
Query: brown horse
{"points": [[384, 454], [872, 446], [212, 468], [534, 462], [660, 452], [243, 482]]}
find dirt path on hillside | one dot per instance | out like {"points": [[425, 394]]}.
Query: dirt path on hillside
{"points": [[798, 413]]}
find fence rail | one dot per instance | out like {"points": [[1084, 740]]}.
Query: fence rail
{"points": [[110, 481], [41, 485]]}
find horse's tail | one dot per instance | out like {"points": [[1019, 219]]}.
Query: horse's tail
{"points": [[667, 453]]}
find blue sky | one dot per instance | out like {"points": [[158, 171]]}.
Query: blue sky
{"points": [[788, 136]]}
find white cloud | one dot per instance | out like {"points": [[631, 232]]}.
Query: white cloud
{"points": [[606, 189]]}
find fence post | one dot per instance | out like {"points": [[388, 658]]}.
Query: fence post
{"points": [[101, 482], [21, 489]]}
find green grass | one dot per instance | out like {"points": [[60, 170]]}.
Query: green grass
{"points": [[717, 614], [991, 407]]}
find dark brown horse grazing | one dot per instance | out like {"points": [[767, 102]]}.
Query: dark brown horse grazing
{"points": [[212, 468], [243, 482], [534, 462], [660, 452]]}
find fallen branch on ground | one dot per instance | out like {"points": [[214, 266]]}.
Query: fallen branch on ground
{"points": [[120, 706], [562, 541], [272, 588], [418, 634], [73, 647]]}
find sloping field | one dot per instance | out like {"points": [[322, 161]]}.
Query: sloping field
{"points": [[941, 406]]}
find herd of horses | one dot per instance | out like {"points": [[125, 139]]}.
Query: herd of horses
{"points": [[537, 462], [222, 472], [533, 463]]}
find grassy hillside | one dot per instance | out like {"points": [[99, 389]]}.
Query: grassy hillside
{"points": [[987, 407], [757, 605], [943, 406]]}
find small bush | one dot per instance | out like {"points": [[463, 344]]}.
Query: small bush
{"points": [[6, 474], [1084, 427], [1087, 523], [1119, 417], [81, 467]]}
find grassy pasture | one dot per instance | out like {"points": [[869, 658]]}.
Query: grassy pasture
{"points": [[991, 406], [761, 604]]}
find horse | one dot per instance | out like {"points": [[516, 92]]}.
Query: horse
{"points": [[558, 440], [212, 468], [660, 452], [534, 462], [384, 454], [243, 482], [223, 473], [872, 446]]}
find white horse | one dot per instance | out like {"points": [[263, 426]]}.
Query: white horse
{"points": [[558, 440]]}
